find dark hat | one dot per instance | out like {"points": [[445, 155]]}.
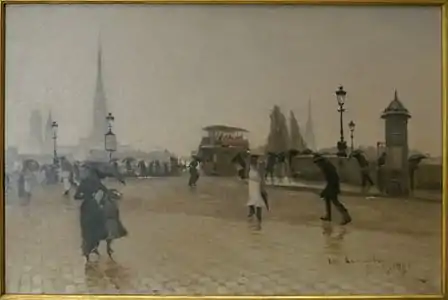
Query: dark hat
{"points": [[317, 157]]}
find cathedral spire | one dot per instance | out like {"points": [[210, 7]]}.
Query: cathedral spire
{"points": [[99, 59], [49, 121], [309, 130], [99, 124], [99, 68], [48, 132]]}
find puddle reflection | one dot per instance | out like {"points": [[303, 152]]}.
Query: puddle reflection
{"points": [[117, 275], [94, 277], [333, 240]]}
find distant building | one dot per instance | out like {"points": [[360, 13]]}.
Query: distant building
{"points": [[91, 147]]}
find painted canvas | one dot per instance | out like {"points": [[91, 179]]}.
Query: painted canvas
{"points": [[223, 150]]}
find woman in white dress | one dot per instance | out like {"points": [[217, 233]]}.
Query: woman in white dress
{"points": [[65, 175], [25, 185], [257, 191]]}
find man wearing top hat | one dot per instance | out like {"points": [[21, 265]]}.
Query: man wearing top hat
{"points": [[332, 189]]}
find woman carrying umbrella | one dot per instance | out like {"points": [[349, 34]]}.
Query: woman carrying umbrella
{"points": [[128, 161], [257, 191], [93, 218], [67, 175], [27, 179]]}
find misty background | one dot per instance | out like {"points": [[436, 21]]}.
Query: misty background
{"points": [[170, 70]]}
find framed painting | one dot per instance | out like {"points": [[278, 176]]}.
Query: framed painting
{"points": [[247, 149]]}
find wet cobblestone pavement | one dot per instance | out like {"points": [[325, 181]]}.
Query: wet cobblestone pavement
{"points": [[186, 242]]}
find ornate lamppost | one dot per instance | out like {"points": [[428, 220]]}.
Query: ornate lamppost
{"points": [[110, 140], [351, 126], [342, 144], [54, 127]]}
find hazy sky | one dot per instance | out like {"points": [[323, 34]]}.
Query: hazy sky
{"points": [[170, 70]]}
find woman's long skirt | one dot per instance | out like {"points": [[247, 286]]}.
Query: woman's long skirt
{"points": [[114, 227], [93, 225]]}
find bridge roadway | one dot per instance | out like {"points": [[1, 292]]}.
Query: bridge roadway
{"points": [[191, 242]]}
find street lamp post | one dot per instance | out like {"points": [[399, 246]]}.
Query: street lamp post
{"points": [[54, 127], [110, 140], [342, 144], [351, 126]]}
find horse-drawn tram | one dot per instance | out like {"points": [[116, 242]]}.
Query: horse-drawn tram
{"points": [[219, 146]]}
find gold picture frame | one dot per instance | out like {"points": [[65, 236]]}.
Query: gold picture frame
{"points": [[441, 3]]}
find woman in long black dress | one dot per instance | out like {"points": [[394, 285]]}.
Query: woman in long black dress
{"points": [[92, 220], [99, 213]]}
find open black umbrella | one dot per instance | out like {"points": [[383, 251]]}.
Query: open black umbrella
{"points": [[265, 198], [293, 152], [355, 153], [196, 158], [240, 158], [307, 151], [104, 170], [66, 165], [31, 164], [417, 157], [129, 159]]}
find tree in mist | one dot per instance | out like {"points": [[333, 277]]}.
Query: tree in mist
{"points": [[296, 141], [278, 138]]}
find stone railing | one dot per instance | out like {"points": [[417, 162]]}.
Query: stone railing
{"points": [[428, 176]]}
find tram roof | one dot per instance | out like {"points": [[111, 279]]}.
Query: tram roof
{"points": [[224, 128]]}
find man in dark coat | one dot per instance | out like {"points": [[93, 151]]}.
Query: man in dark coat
{"points": [[413, 164], [166, 169], [151, 168], [174, 166], [21, 186], [142, 167], [270, 166], [129, 168], [241, 165], [364, 169], [331, 190], [194, 172], [381, 162], [7, 182], [157, 168]]}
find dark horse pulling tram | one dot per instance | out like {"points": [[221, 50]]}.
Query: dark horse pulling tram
{"points": [[99, 213]]}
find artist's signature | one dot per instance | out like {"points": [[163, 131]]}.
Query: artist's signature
{"points": [[401, 268], [390, 268]]}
